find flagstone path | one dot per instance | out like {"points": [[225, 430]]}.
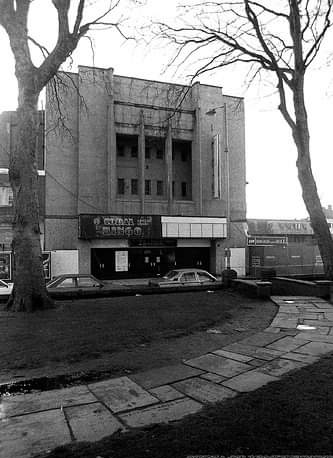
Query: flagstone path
{"points": [[37, 422]]}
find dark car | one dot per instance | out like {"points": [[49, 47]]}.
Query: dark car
{"points": [[184, 277], [74, 282]]}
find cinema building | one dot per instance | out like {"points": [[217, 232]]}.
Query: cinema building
{"points": [[143, 176]]}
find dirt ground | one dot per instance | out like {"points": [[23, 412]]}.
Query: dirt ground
{"points": [[101, 338]]}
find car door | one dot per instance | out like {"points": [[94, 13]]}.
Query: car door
{"points": [[205, 278], [189, 279]]}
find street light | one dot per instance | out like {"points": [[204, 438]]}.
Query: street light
{"points": [[212, 112]]}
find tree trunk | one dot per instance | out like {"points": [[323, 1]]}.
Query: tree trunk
{"points": [[308, 184], [29, 292]]}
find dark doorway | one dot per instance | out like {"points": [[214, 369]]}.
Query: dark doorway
{"points": [[146, 261]]}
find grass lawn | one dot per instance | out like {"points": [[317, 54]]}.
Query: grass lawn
{"points": [[125, 334], [293, 416]]}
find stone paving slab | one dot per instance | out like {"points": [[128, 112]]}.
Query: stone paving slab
{"points": [[257, 362], [27, 435], [260, 353], [218, 365], [316, 348], [122, 394], [204, 390], [319, 323], [314, 336], [213, 377], [34, 402], [249, 381], [285, 323], [235, 356], [309, 359], [280, 367], [166, 393], [161, 413], [165, 375], [91, 422], [287, 344], [261, 339]]}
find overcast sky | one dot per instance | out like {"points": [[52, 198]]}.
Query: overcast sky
{"points": [[273, 190]]}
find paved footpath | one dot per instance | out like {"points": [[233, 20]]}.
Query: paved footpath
{"points": [[37, 422]]}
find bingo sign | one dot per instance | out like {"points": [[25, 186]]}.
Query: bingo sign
{"points": [[119, 226]]}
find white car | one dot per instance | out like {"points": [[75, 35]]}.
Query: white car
{"points": [[184, 277], [5, 288]]}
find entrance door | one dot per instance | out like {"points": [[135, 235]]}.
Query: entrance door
{"points": [[103, 263]]}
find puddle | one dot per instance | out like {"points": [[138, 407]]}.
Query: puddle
{"points": [[305, 327], [213, 331]]}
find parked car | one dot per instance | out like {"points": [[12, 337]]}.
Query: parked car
{"points": [[5, 289], [73, 282], [184, 277]]}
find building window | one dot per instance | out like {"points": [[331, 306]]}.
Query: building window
{"points": [[147, 153], [134, 151], [184, 189], [159, 154], [6, 196], [120, 150], [173, 189], [184, 155], [134, 186], [147, 187], [121, 186], [159, 188]]}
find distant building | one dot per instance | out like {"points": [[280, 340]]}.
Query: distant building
{"points": [[146, 176], [328, 212], [287, 246]]}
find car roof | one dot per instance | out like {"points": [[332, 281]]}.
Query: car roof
{"points": [[73, 276], [188, 269]]}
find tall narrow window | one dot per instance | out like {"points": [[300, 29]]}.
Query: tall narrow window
{"points": [[159, 154], [147, 187], [184, 189], [120, 150], [147, 152], [159, 187], [134, 150], [173, 189], [134, 186], [121, 186]]}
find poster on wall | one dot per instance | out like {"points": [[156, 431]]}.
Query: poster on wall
{"points": [[5, 265], [121, 261]]}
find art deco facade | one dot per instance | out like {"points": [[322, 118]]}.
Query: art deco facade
{"points": [[143, 176]]}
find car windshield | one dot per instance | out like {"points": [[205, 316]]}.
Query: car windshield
{"points": [[171, 274]]}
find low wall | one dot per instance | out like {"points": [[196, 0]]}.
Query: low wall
{"points": [[283, 286], [253, 288]]}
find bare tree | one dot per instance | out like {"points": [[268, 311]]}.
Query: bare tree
{"points": [[29, 292], [281, 38]]}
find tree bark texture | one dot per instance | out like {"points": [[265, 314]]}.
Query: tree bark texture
{"points": [[29, 293], [308, 184]]}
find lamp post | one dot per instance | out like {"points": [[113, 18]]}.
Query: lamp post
{"points": [[212, 112]]}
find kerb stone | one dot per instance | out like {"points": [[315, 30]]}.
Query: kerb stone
{"points": [[28, 403], [165, 375]]}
